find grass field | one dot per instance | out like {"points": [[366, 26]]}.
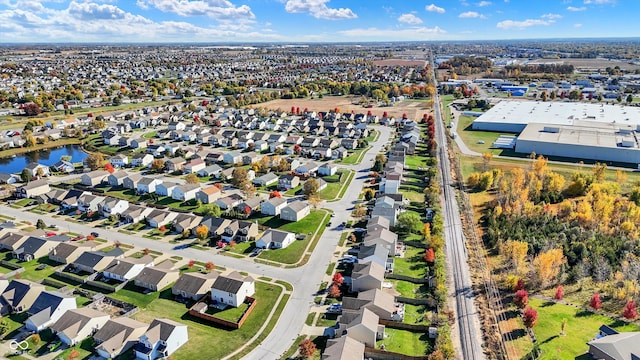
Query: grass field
{"points": [[406, 342], [412, 264], [355, 157], [582, 326], [333, 189]]}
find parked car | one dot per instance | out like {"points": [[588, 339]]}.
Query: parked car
{"points": [[50, 234], [335, 308], [256, 252], [95, 234]]}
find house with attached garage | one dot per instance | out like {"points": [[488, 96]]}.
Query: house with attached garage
{"points": [[77, 324], [135, 213], [211, 170], [240, 231], [275, 239], [343, 348], [186, 222], [162, 338], [11, 240], [158, 218], [229, 201], [68, 252], [273, 206], [362, 326], [88, 202], [158, 277], [112, 206], [287, 182], [19, 295], [117, 178], [367, 276], [33, 189], [142, 159], [94, 261], [37, 169], [175, 164], [131, 181], [194, 165], [381, 303], [185, 192], [295, 211], [209, 194], [306, 169], [249, 206], [216, 226], [94, 178], [139, 143], [166, 188], [266, 179], [232, 157], [117, 336], [194, 285], [48, 307], [126, 269], [147, 185], [327, 169], [119, 160], [378, 235], [33, 248], [232, 289]]}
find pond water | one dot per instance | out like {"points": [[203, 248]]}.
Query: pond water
{"points": [[45, 157]]}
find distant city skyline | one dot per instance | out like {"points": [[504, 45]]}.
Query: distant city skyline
{"points": [[235, 21]]}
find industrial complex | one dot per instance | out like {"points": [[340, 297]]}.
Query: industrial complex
{"points": [[568, 129]]}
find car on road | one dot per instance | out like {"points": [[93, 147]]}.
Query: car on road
{"points": [[50, 234], [180, 247], [348, 259], [95, 234], [333, 214], [329, 224]]}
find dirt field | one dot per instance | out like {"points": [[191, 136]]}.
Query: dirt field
{"points": [[413, 109]]}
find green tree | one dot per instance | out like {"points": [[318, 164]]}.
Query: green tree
{"points": [[212, 210], [40, 224], [410, 221], [310, 187], [26, 175]]}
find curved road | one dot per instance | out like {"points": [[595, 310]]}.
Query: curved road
{"points": [[305, 279]]}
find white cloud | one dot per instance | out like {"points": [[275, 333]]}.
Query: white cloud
{"points": [[575, 9], [93, 11], [471, 15], [512, 24], [577, 25], [484, 3], [416, 33], [409, 19], [599, 2], [216, 9], [319, 9], [551, 16], [434, 8]]}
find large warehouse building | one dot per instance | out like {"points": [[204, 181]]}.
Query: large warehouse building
{"points": [[577, 130]]}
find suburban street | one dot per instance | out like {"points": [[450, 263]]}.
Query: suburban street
{"points": [[305, 279], [469, 333]]}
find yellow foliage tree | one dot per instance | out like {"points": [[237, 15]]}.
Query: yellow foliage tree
{"points": [[515, 254], [547, 266], [202, 231]]}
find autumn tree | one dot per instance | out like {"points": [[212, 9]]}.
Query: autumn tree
{"points": [[73, 355], [26, 175], [595, 303], [359, 211], [547, 266], [109, 168], [530, 318], [157, 165], [202, 231], [248, 189], [559, 293], [192, 178], [429, 256], [334, 291], [630, 312], [191, 263], [515, 254], [315, 200], [275, 194], [519, 285], [486, 159], [337, 279], [94, 161], [369, 194], [521, 299], [40, 224], [426, 231], [209, 266], [238, 176], [307, 348], [311, 187]]}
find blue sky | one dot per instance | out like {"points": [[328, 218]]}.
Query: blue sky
{"points": [[119, 21]]}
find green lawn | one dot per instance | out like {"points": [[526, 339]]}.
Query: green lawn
{"points": [[412, 264], [332, 191], [230, 313], [417, 314], [327, 320], [471, 137], [202, 333], [410, 290], [406, 342], [582, 326], [356, 156], [150, 135], [415, 161]]}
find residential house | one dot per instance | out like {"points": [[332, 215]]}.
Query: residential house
{"points": [[376, 252], [194, 285], [48, 307], [267, 179], [166, 188], [64, 166], [94, 261], [158, 218], [68, 252], [117, 336], [194, 165], [119, 160], [240, 231], [126, 269], [229, 201], [232, 157], [175, 164], [77, 324], [295, 211], [185, 192], [343, 348], [36, 169], [158, 277], [135, 213], [112, 206], [131, 181], [139, 144], [339, 153], [609, 344], [381, 303], [232, 289], [377, 235], [362, 326], [273, 206], [390, 183], [306, 169], [378, 221], [386, 207], [33, 248], [142, 159], [327, 169], [117, 178], [349, 144], [19, 295], [89, 203], [275, 239], [147, 185], [186, 222], [287, 182], [33, 189], [367, 276], [321, 153], [251, 158], [94, 178], [12, 241], [162, 338], [215, 225], [209, 194], [249, 206], [310, 142], [321, 184], [110, 138], [211, 170]]}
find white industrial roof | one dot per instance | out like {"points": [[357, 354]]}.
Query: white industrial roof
{"points": [[585, 133], [559, 113]]}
